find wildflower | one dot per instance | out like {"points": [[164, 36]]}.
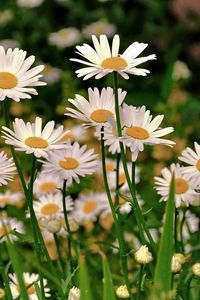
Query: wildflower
{"points": [[8, 226], [75, 133], [7, 168], [71, 163], [140, 129], [52, 224], [102, 60], [96, 110], [74, 293], [32, 139], [183, 191], [143, 256], [46, 183], [65, 37], [29, 280], [9, 198], [196, 269], [29, 3], [98, 28], [180, 257], [122, 292], [192, 158], [16, 77], [175, 265]]}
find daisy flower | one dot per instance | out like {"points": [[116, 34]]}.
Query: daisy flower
{"points": [[88, 207], [29, 280], [51, 74], [31, 138], [71, 163], [65, 37], [16, 77], [140, 129], [7, 168], [51, 205], [192, 158], [75, 133], [45, 183], [102, 60], [98, 28], [7, 228], [9, 198], [183, 191], [96, 110]]}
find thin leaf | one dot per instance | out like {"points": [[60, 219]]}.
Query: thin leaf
{"points": [[163, 274], [84, 281], [108, 293], [38, 291]]}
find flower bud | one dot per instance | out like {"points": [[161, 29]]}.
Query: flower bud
{"points": [[143, 256], [196, 269], [52, 224], [74, 293], [180, 257], [176, 265], [122, 292]]}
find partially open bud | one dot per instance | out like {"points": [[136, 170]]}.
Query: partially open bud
{"points": [[176, 265], [180, 257], [74, 293], [196, 269], [143, 256], [52, 224], [122, 292]]}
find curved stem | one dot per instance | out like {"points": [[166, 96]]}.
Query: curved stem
{"points": [[187, 287], [181, 230], [140, 282], [122, 249]]}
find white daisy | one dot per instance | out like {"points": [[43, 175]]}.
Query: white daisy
{"points": [[51, 74], [98, 28], [31, 138], [71, 163], [10, 198], [29, 280], [51, 205], [192, 158], [140, 129], [16, 77], [7, 228], [46, 183], [183, 191], [65, 37], [75, 133], [7, 168], [88, 206], [102, 60], [96, 110]]}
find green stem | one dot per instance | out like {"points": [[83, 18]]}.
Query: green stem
{"points": [[5, 279], [187, 287], [59, 254], [181, 230], [137, 211], [117, 179], [122, 249], [140, 282], [176, 242]]}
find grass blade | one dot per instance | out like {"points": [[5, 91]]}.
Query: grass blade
{"points": [[84, 280], [108, 293]]}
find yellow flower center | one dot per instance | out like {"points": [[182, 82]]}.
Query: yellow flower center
{"points": [[110, 167], [100, 115], [122, 178], [63, 34], [4, 230], [138, 133], [7, 80], [181, 186], [5, 200], [68, 163], [67, 136], [198, 165], [89, 206], [50, 209], [36, 142], [48, 187], [114, 63], [30, 288]]}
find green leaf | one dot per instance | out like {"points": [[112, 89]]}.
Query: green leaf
{"points": [[108, 293], [163, 274], [38, 291], [84, 280]]}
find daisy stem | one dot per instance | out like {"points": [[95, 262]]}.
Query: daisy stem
{"points": [[117, 179], [181, 230], [59, 253], [176, 242], [140, 282], [5, 278], [138, 214], [122, 248], [187, 287]]}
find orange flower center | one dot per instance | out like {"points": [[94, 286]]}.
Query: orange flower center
{"points": [[30, 288], [138, 133], [4, 230], [48, 187], [110, 167], [181, 186], [68, 163], [7, 80], [89, 206], [198, 165], [50, 209], [100, 115], [122, 178], [67, 136], [114, 63], [5, 200], [36, 142]]}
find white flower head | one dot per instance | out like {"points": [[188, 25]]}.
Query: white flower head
{"points": [[196, 269], [183, 191], [74, 293], [192, 158], [7, 168], [46, 183], [98, 28], [140, 129], [31, 138], [175, 265], [102, 60], [29, 280], [122, 292], [96, 110], [143, 255], [65, 37], [17, 78], [76, 133], [7, 228], [71, 163], [10, 198]]}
